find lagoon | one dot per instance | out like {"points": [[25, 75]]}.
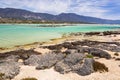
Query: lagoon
{"points": [[19, 34]]}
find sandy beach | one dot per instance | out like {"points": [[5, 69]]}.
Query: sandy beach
{"points": [[51, 74], [113, 65]]}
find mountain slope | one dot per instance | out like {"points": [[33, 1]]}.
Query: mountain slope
{"points": [[63, 17]]}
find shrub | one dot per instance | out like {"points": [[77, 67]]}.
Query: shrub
{"points": [[100, 67], [1, 76], [117, 59], [89, 56], [116, 54], [29, 79]]}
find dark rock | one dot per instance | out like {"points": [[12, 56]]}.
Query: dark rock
{"points": [[10, 69], [86, 68], [54, 47], [66, 44], [49, 60], [92, 33], [32, 60], [65, 65], [23, 54], [111, 32], [99, 53], [12, 58], [76, 63], [70, 51], [74, 58], [95, 52], [62, 68]]}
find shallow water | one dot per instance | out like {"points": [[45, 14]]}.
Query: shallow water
{"points": [[20, 34]]}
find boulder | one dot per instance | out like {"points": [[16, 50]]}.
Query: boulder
{"points": [[49, 60], [74, 58], [99, 53], [76, 63], [12, 58], [95, 52], [10, 69], [32, 60], [86, 68], [62, 68]]}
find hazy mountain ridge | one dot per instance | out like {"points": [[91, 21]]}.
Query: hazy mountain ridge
{"points": [[63, 17]]}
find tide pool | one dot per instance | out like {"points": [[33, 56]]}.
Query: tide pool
{"points": [[20, 34]]}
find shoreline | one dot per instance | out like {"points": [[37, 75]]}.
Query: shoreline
{"points": [[70, 37], [77, 56]]}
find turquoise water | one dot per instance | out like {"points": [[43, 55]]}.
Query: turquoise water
{"points": [[20, 34]]}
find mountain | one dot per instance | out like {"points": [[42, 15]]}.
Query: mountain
{"points": [[21, 14]]}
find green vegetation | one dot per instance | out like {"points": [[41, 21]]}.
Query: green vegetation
{"points": [[28, 21], [29, 79], [64, 35], [100, 67], [89, 56]]}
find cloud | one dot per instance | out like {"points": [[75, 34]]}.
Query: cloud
{"points": [[96, 8]]}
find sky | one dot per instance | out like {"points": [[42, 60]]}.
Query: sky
{"points": [[107, 9]]}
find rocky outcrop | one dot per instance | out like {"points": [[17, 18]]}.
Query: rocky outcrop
{"points": [[9, 67], [32, 60], [95, 52], [49, 60], [97, 33], [72, 59], [86, 68], [75, 63], [44, 61], [23, 54]]}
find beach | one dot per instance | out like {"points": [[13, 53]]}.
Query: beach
{"points": [[47, 61]]}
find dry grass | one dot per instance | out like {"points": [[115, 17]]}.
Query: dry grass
{"points": [[100, 67], [1, 76], [29, 79], [116, 54]]}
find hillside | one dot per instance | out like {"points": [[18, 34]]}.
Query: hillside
{"points": [[19, 14]]}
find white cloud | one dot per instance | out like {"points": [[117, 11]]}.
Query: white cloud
{"points": [[93, 8]]}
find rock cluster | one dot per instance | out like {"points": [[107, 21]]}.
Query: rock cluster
{"points": [[9, 65], [73, 59], [75, 63]]}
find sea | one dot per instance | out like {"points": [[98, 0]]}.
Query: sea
{"points": [[20, 34]]}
